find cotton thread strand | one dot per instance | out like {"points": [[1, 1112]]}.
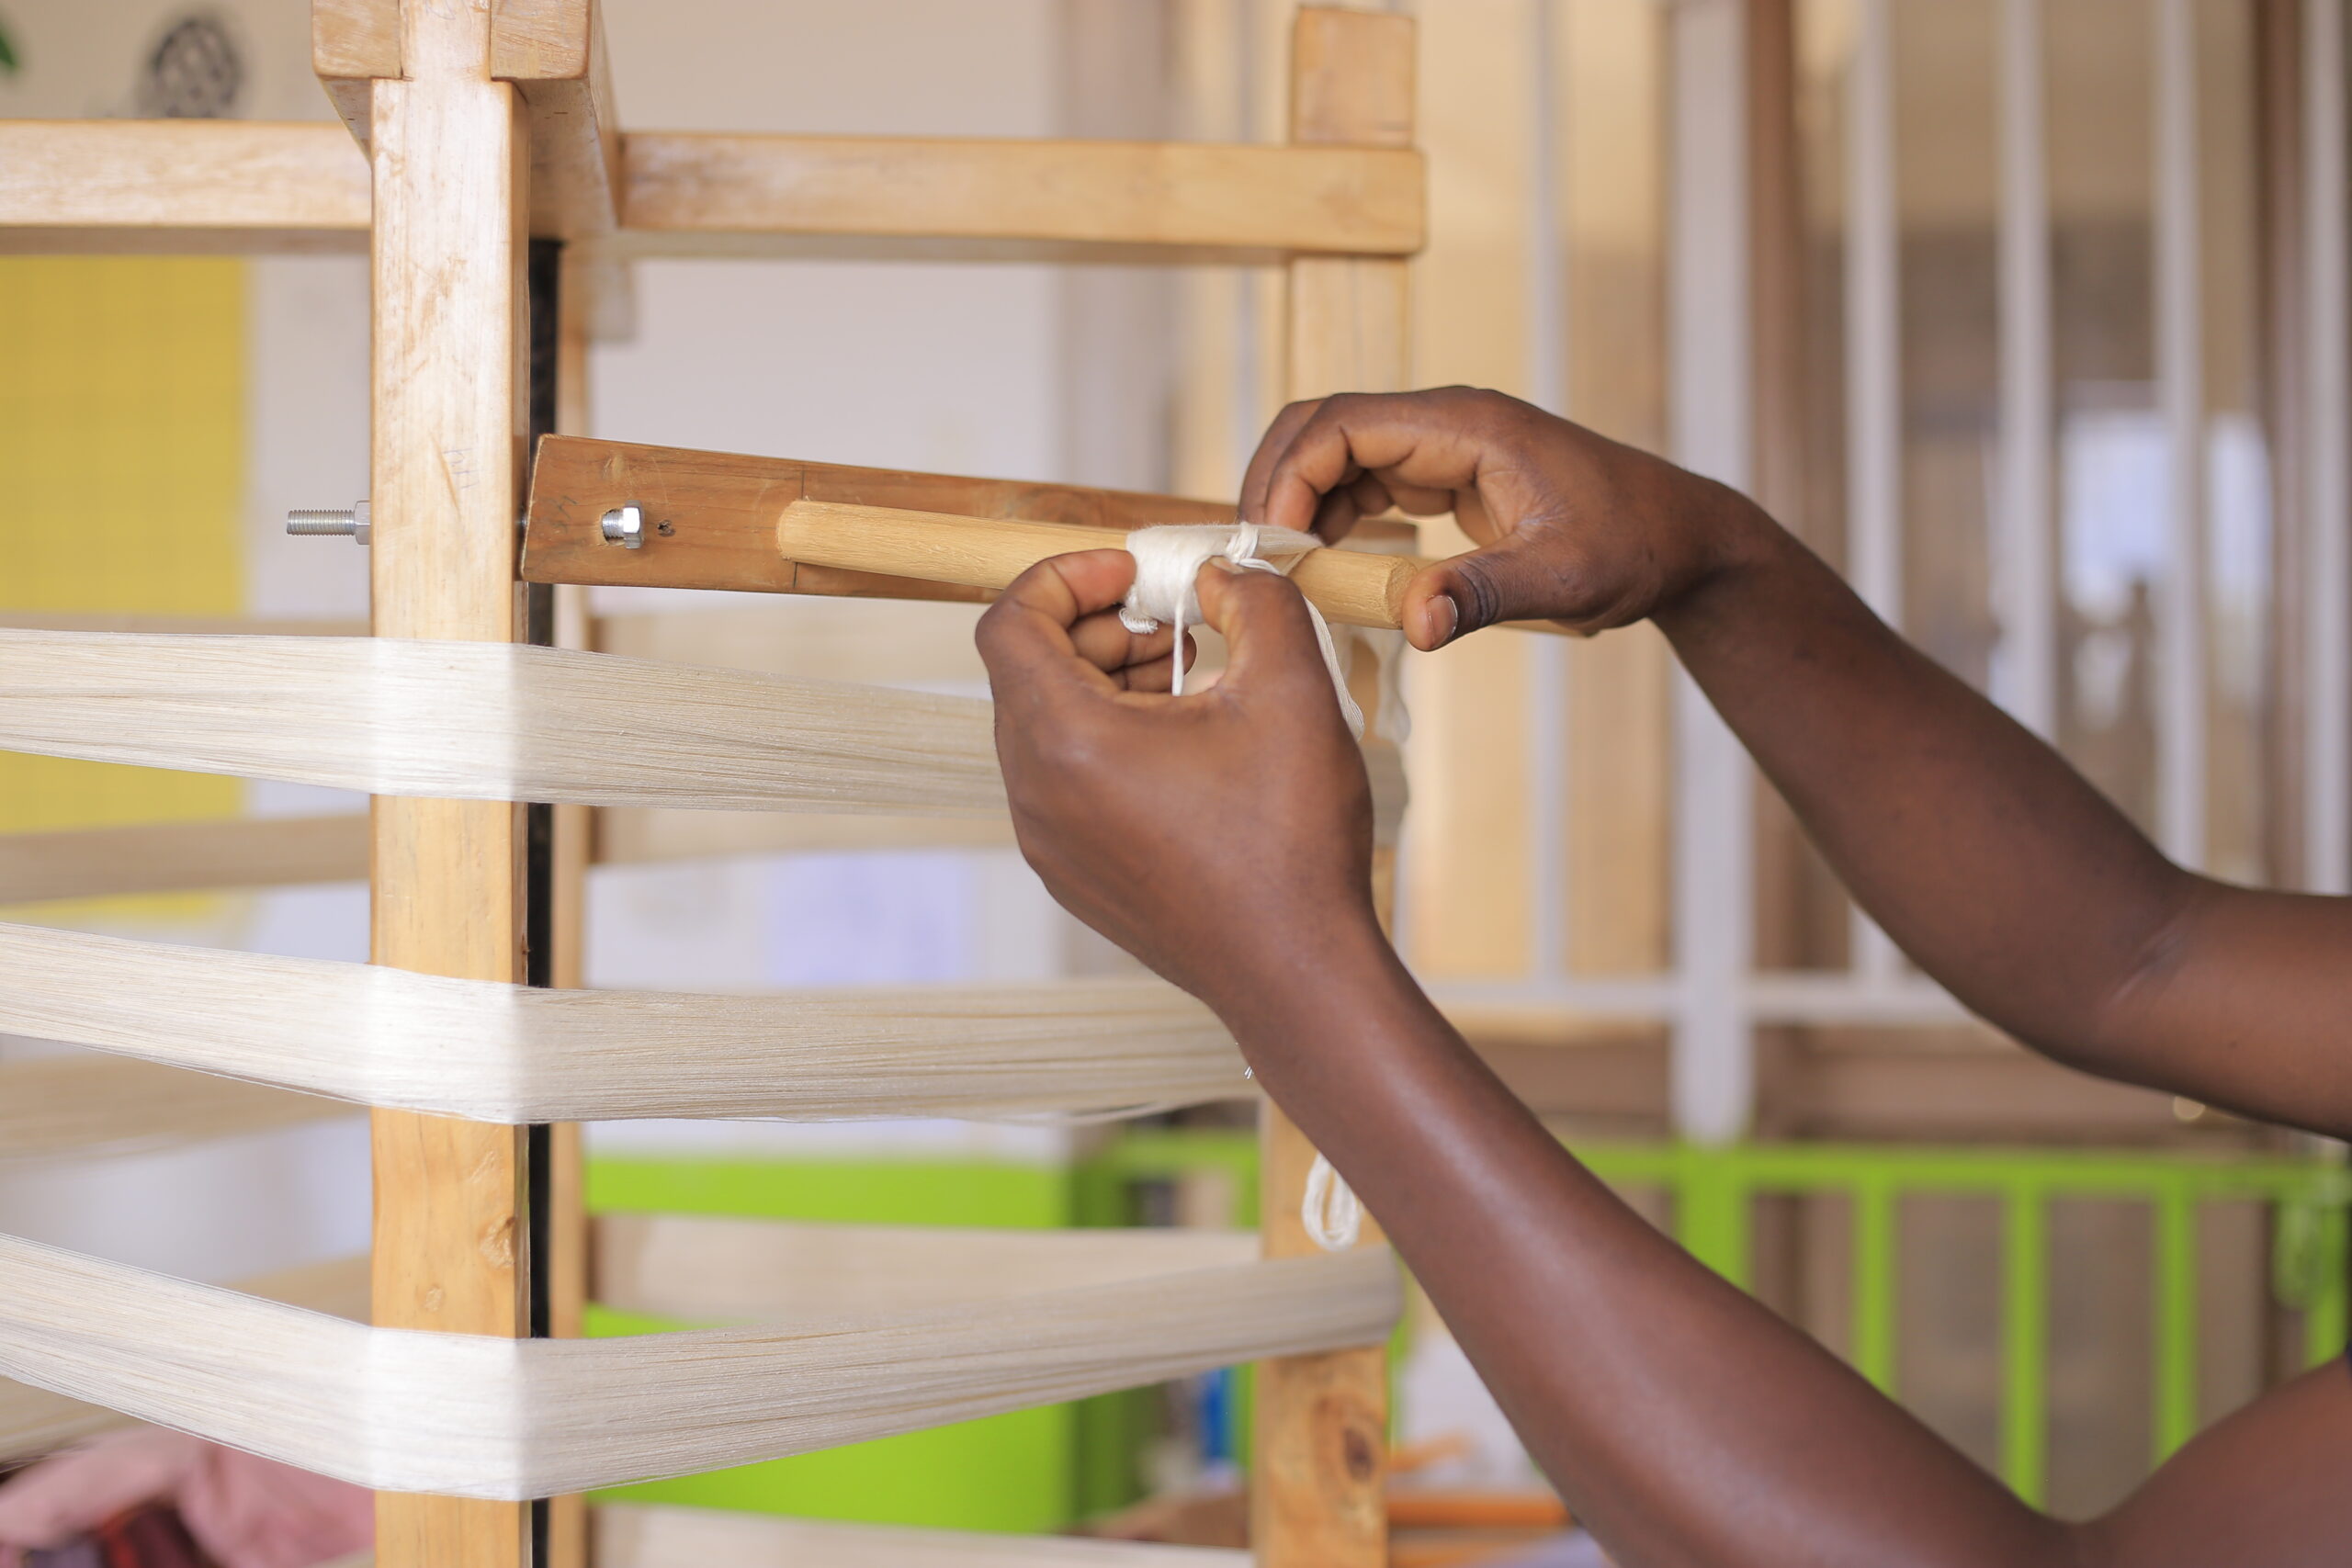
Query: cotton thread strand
{"points": [[1169, 559]]}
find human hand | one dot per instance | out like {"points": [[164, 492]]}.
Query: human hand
{"points": [[1570, 526], [1222, 835]]}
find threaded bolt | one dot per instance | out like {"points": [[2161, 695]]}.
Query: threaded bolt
{"points": [[349, 520], [625, 525]]}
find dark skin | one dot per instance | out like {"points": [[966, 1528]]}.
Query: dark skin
{"points": [[1224, 837]]}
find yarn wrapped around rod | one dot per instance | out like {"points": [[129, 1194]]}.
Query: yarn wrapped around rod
{"points": [[1169, 559]]}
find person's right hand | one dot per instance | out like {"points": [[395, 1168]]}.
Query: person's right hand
{"points": [[1570, 526]]}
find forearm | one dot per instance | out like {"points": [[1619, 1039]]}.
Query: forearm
{"points": [[1991, 861], [1683, 1422]]}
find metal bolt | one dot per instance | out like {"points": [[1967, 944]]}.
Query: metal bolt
{"points": [[625, 525], [350, 520]]}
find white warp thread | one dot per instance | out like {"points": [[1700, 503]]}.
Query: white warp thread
{"points": [[472, 1416], [1168, 557], [494, 721], [33, 1421], [515, 1053]]}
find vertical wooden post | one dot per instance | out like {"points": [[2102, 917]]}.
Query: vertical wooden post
{"points": [[1315, 1498], [450, 162], [565, 1288]]}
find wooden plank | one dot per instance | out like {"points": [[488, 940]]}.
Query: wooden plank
{"points": [[552, 50], [354, 44], [182, 625], [450, 152], [89, 1106], [699, 1269], [723, 510], [1350, 200], [184, 184], [1320, 1420], [718, 521], [296, 852], [174, 857], [635, 1534]]}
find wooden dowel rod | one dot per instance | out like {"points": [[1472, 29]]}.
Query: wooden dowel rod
{"points": [[1351, 587]]}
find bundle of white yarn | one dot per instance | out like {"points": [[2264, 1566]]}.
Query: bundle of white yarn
{"points": [[1169, 559]]}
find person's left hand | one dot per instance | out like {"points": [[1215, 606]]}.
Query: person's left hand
{"points": [[1222, 837]]}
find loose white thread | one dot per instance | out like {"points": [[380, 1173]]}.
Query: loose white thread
{"points": [[1331, 1212], [1169, 559]]}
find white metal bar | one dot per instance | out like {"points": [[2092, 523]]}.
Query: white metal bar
{"points": [[2327, 584], [2024, 669], [1783, 997], [1874, 323], [1548, 734], [1710, 398], [1873, 361], [2180, 395]]}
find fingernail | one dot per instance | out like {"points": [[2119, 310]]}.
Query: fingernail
{"points": [[1440, 617]]}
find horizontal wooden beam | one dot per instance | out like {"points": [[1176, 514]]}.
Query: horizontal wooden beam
{"points": [[181, 857], [182, 625], [721, 511], [111, 186], [771, 525], [296, 852], [701, 1268], [1158, 194], [88, 1106], [639, 1534], [179, 185]]}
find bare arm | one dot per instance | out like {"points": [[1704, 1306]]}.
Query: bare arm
{"points": [[1981, 851], [1225, 838]]}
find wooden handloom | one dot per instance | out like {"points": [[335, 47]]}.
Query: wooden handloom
{"points": [[482, 129]]}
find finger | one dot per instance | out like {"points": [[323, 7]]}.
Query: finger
{"points": [[1429, 440], [1025, 639], [1522, 576], [1348, 503], [1271, 644], [1103, 641], [1270, 446], [1152, 674]]}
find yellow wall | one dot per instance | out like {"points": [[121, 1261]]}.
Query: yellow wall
{"points": [[122, 459]]}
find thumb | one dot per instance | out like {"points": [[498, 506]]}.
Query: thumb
{"points": [[1518, 577], [1269, 640]]}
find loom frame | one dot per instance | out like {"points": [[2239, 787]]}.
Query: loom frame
{"points": [[473, 130]]}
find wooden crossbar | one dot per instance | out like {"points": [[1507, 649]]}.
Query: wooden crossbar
{"points": [[179, 185], [779, 526], [102, 185], [1175, 194]]}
